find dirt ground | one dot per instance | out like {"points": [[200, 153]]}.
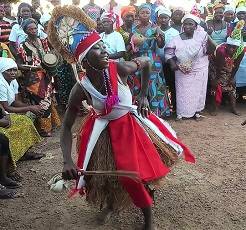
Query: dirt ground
{"points": [[208, 195]]}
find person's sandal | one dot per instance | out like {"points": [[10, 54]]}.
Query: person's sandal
{"points": [[10, 184], [179, 118], [7, 193], [15, 176], [33, 156]]}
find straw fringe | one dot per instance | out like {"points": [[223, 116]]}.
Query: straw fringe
{"points": [[102, 190]]}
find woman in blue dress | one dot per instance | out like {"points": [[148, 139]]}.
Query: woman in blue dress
{"points": [[145, 41]]}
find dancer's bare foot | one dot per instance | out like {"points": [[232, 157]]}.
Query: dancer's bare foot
{"points": [[104, 216]]}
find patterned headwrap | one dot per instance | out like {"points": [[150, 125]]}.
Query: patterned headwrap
{"points": [[236, 35], [72, 33], [145, 6], [219, 5], [125, 10], [110, 16], [27, 22], [196, 19], [2, 6], [163, 10]]}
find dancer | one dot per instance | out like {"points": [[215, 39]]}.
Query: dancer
{"points": [[113, 123]]}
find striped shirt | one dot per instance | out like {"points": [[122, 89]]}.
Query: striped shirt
{"points": [[5, 29]]}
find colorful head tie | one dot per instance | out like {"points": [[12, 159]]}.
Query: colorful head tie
{"points": [[125, 10], [110, 16], [72, 33], [218, 6], [145, 6], [195, 12]]}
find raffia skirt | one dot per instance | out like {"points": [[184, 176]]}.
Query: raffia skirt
{"points": [[103, 190]]}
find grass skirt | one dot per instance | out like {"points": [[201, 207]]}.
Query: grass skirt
{"points": [[103, 190]]}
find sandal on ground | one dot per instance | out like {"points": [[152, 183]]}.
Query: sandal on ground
{"points": [[235, 112], [198, 117], [44, 134], [15, 176], [33, 156], [7, 193], [179, 118], [9, 183]]}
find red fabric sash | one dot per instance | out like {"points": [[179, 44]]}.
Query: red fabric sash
{"points": [[187, 153], [113, 77], [218, 95], [134, 151]]}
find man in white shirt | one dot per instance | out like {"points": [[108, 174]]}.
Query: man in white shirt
{"points": [[113, 40]]}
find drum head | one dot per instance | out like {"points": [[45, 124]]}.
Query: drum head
{"points": [[50, 59]]}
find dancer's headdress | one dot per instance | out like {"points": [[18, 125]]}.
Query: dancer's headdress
{"points": [[72, 33]]}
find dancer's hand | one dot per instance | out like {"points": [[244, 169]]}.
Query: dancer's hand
{"points": [[143, 106], [69, 171]]}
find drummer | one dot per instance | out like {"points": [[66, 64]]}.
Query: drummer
{"points": [[37, 79]]}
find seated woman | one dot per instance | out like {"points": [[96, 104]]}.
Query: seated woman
{"points": [[37, 78], [22, 133]]}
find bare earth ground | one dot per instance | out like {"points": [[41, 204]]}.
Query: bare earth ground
{"points": [[208, 195]]}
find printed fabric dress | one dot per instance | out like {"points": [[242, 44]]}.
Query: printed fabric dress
{"points": [[158, 94], [39, 85], [22, 133], [127, 39], [152, 148]]}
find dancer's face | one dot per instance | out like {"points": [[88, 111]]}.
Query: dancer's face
{"points": [[98, 57]]}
